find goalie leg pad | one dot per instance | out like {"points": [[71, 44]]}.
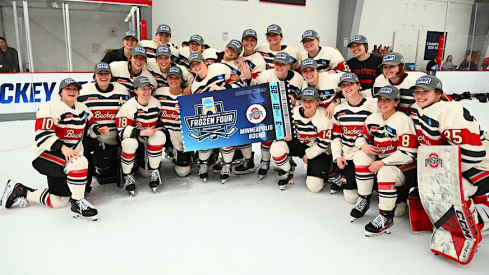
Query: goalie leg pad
{"points": [[456, 234]]}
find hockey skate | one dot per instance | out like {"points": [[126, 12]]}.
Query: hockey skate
{"points": [[285, 181], [247, 166], [82, 209], [226, 172], [130, 184], [263, 169], [14, 192], [203, 171], [361, 207], [336, 182], [293, 165], [155, 180], [381, 224]]}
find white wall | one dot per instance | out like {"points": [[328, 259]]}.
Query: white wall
{"points": [[210, 18], [48, 42], [380, 20]]}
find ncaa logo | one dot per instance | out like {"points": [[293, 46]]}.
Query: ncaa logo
{"points": [[256, 113], [423, 80], [385, 91], [307, 33], [103, 66], [307, 62], [196, 37], [236, 43], [389, 57], [208, 104], [139, 50]]}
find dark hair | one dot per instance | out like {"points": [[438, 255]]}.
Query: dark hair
{"points": [[3, 38], [184, 43], [206, 46]]}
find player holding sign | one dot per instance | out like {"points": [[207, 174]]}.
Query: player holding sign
{"points": [[388, 150], [58, 154], [313, 136]]}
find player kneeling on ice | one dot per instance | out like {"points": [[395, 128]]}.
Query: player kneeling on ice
{"points": [[58, 154], [388, 149], [170, 120], [451, 205], [136, 122], [313, 136]]}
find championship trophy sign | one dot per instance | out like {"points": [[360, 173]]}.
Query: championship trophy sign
{"points": [[235, 116]]}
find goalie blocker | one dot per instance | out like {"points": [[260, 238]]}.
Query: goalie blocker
{"points": [[456, 233]]}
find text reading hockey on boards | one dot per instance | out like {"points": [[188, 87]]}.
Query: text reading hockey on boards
{"points": [[27, 92]]}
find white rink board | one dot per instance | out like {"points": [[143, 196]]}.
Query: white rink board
{"points": [[459, 82], [25, 92]]}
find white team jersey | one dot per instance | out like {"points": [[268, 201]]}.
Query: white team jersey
{"points": [[328, 58], [349, 121], [395, 138], [449, 123], [269, 55], [120, 73], [315, 131], [58, 122], [104, 106], [218, 74], [162, 77], [327, 87], [256, 63], [151, 45], [294, 80], [210, 56], [170, 116], [133, 115], [407, 94]]}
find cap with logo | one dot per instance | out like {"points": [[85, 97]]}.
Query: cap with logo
{"points": [[393, 59], [428, 82], [282, 57], [141, 81], [309, 34], [102, 66], [249, 32], [309, 63], [360, 39], [349, 77], [389, 91], [310, 93], [163, 50], [138, 51], [164, 28], [274, 28], [235, 45], [175, 71], [130, 34], [67, 82], [196, 38], [195, 57]]}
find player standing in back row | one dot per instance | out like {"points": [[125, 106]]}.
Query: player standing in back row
{"points": [[327, 58], [274, 46]]}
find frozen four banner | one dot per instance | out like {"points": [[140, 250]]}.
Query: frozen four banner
{"points": [[235, 116]]}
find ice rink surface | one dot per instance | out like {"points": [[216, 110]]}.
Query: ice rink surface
{"points": [[246, 226]]}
